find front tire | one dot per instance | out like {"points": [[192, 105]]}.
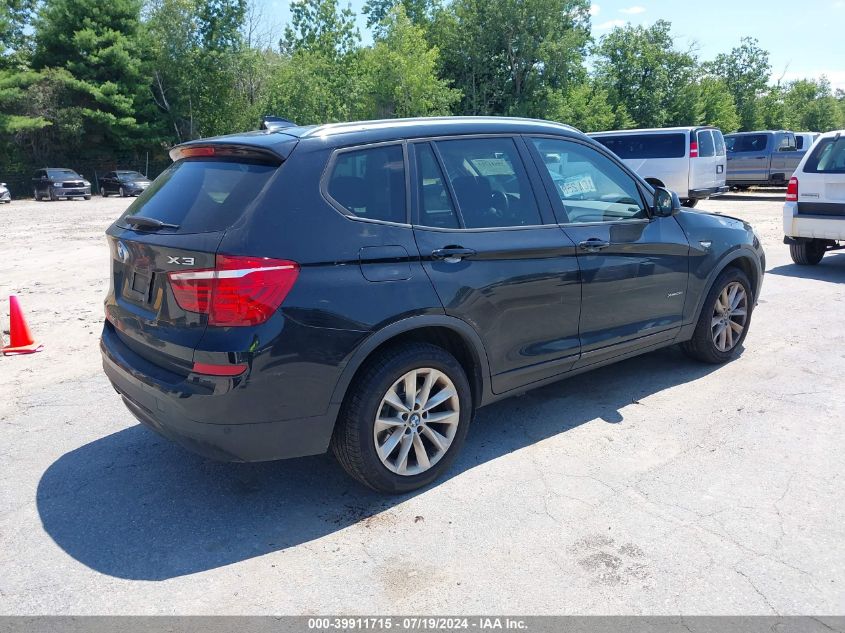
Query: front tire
{"points": [[807, 253], [122, 192], [35, 195], [404, 419], [724, 320]]}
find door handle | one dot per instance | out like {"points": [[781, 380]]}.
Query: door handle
{"points": [[452, 253], [593, 244]]}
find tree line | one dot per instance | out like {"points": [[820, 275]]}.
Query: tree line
{"points": [[105, 81]]}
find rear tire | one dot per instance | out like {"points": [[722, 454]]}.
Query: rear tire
{"points": [[122, 192], [727, 308], [807, 253], [52, 196], [35, 195], [429, 446]]}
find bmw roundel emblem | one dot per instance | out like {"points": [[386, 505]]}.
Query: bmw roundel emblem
{"points": [[122, 251]]}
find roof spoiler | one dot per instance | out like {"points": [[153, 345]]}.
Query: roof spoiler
{"points": [[269, 122]]}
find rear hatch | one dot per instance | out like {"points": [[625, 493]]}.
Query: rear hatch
{"points": [[821, 183], [164, 250]]}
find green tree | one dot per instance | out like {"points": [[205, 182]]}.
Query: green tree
{"points": [[640, 68], [506, 55], [319, 78], [586, 107], [100, 46], [746, 71], [420, 12], [400, 73]]}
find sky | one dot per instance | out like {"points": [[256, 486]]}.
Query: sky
{"points": [[803, 37]]}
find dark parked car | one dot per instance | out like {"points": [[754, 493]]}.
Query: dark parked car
{"points": [[57, 182], [5, 196], [367, 286], [123, 183]]}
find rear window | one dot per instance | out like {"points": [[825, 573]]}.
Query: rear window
{"points": [[202, 196], [828, 157], [747, 143], [720, 142], [706, 146], [646, 145], [370, 183]]}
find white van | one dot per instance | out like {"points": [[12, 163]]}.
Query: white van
{"points": [[688, 160], [814, 212]]}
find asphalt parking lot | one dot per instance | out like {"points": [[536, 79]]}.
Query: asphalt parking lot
{"points": [[655, 486]]}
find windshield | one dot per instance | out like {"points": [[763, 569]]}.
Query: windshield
{"points": [[62, 173], [131, 175]]}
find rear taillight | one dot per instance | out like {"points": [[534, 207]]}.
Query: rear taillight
{"points": [[693, 149], [238, 291], [792, 190]]}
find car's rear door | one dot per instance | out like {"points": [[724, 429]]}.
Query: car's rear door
{"points": [[821, 181], [634, 268], [721, 159], [703, 162], [495, 255], [196, 200]]}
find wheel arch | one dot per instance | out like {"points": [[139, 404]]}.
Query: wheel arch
{"points": [[654, 182], [452, 334], [745, 260]]}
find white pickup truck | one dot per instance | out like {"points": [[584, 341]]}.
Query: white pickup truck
{"points": [[814, 212]]}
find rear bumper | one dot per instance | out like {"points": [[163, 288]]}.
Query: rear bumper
{"points": [[708, 192], [171, 408], [803, 226]]}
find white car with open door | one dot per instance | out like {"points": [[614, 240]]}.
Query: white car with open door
{"points": [[814, 212]]}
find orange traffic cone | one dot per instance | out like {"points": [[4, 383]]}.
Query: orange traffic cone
{"points": [[21, 340]]}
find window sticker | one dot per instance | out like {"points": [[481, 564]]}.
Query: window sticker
{"points": [[575, 185], [492, 166]]}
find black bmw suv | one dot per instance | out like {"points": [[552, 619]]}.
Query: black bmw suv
{"points": [[367, 286]]}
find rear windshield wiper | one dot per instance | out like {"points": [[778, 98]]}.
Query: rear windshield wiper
{"points": [[148, 223]]}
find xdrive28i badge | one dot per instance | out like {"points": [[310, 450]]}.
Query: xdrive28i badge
{"points": [[122, 251]]}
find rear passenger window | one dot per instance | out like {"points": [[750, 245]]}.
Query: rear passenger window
{"points": [[434, 202], [706, 146], [591, 187], [799, 142], [490, 183], [627, 146], [370, 183]]}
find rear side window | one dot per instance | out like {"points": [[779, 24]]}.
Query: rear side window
{"points": [[706, 146], [370, 183], [202, 196], [646, 145], [747, 143], [436, 207], [828, 157], [490, 183], [799, 142], [720, 142]]}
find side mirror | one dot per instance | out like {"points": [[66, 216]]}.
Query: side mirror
{"points": [[666, 203]]}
